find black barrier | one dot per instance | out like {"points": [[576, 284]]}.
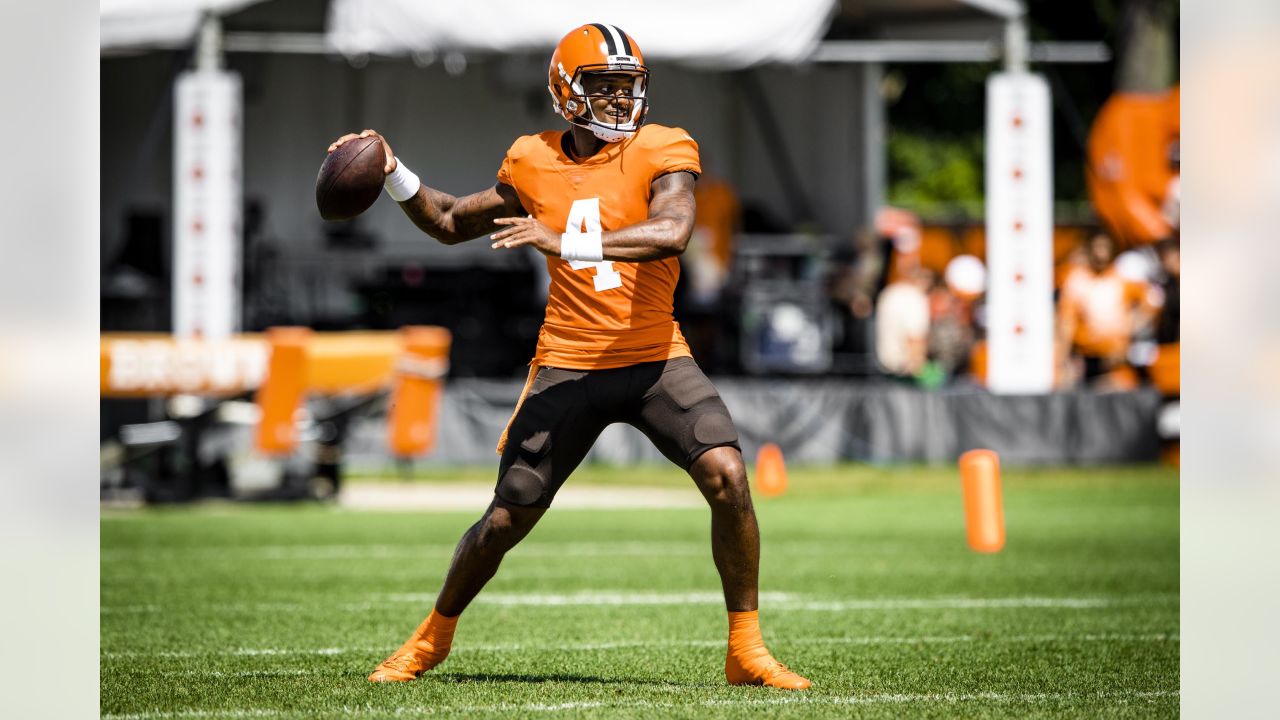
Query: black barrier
{"points": [[825, 421]]}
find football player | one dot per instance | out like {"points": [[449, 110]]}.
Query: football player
{"points": [[610, 203]]}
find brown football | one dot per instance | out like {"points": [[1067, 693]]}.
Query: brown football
{"points": [[350, 179]]}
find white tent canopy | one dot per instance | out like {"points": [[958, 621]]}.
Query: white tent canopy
{"points": [[713, 33], [156, 23], [722, 34], [706, 34]]}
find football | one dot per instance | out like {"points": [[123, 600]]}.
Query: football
{"points": [[350, 179]]}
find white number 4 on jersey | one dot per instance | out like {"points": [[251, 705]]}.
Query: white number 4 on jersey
{"points": [[584, 217]]}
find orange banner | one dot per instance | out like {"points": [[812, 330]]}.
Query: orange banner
{"points": [[156, 364]]}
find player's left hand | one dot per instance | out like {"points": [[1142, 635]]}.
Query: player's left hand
{"points": [[526, 231]]}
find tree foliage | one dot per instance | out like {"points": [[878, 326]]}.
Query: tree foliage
{"points": [[936, 111], [936, 176]]}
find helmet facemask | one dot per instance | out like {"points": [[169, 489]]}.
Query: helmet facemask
{"points": [[622, 116]]}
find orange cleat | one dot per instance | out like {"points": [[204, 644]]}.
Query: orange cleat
{"points": [[427, 648], [409, 662], [748, 661], [762, 669]]}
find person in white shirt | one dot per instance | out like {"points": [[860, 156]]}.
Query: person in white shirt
{"points": [[902, 323]]}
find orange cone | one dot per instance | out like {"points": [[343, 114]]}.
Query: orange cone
{"points": [[983, 506], [771, 471]]}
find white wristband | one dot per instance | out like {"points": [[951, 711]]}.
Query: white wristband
{"points": [[583, 246], [401, 184]]}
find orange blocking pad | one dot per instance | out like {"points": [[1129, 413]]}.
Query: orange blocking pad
{"points": [[351, 362], [283, 366], [420, 370], [158, 365], [281, 393], [983, 505], [771, 471]]}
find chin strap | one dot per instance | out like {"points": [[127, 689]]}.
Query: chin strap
{"points": [[603, 133], [611, 136], [600, 130]]}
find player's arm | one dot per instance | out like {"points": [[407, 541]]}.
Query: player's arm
{"points": [[446, 218], [663, 234], [667, 229], [452, 220]]}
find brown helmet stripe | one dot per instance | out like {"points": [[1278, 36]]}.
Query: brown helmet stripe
{"points": [[626, 43], [608, 38]]}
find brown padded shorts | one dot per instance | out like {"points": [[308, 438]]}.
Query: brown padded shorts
{"points": [[670, 401]]}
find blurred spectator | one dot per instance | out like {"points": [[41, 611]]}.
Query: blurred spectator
{"points": [[1171, 207], [864, 278], [1098, 313], [951, 311], [881, 257], [848, 284], [901, 234], [705, 267], [1141, 266], [1168, 322], [710, 251], [902, 324]]}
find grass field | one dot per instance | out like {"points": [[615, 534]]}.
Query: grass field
{"points": [[868, 589]]}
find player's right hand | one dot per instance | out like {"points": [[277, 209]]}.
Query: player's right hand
{"points": [[386, 147]]}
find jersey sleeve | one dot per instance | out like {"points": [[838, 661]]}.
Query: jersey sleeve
{"points": [[515, 164], [504, 170], [677, 151]]}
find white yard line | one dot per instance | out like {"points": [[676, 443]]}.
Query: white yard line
{"points": [[232, 652], [913, 698], [606, 597], [259, 607], [786, 601], [192, 714], [775, 601], [366, 552], [238, 673], [960, 603], [630, 644], [789, 699]]}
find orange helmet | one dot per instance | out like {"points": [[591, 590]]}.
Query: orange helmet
{"points": [[598, 48]]}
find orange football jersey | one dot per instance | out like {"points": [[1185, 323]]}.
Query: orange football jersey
{"points": [[602, 314]]}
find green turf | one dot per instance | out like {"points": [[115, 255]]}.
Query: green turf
{"points": [[281, 611]]}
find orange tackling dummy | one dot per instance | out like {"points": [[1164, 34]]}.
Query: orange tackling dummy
{"points": [[983, 506]]}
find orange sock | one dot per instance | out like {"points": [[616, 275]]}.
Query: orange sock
{"points": [[437, 629], [748, 661], [745, 641]]}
